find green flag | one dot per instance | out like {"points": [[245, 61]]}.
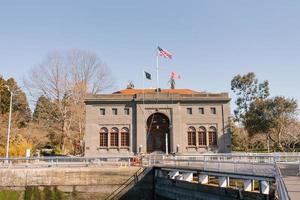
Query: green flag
{"points": [[147, 75]]}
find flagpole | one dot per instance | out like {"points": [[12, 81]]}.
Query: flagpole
{"points": [[157, 78], [143, 74]]}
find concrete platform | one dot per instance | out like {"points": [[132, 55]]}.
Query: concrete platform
{"points": [[291, 179], [292, 184]]}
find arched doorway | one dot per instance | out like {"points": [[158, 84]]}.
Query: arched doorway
{"points": [[157, 128]]}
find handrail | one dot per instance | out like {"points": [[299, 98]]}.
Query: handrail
{"points": [[62, 161], [65, 158], [134, 178], [280, 186], [232, 166]]}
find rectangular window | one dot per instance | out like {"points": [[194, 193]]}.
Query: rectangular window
{"points": [[202, 138], [114, 111], [103, 139], [189, 111], [124, 139], [191, 139], [213, 111], [114, 139], [126, 111], [201, 111], [212, 140], [102, 111]]}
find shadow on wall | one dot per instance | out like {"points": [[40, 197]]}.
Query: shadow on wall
{"points": [[150, 187], [142, 188]]}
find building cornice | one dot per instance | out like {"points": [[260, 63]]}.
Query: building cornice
{"points": [[160, 97]]}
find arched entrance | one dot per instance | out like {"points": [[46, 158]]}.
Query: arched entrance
{"points": [[157, 128]]}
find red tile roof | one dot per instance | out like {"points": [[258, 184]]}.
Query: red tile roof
{"points": [[149, 91]]}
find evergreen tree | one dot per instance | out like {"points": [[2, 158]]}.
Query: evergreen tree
{"points": [[45, 112], [20, 106], [4, 97]]}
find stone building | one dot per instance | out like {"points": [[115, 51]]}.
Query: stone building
{"points": [[169, 120]]}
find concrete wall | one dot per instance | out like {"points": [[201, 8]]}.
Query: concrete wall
{"points": [[113, 176], [104, 181], [174, 189]]}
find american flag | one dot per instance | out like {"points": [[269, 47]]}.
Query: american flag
{"points": [[164, 53]]}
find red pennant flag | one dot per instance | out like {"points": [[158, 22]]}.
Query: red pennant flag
{"points": [[174, 75]]}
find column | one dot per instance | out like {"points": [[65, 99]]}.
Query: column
{"points": [[130, 138], [173, 174], [188, 176], [108, 138], [119, 138], [248, 185], [203, 179], [197, 138], [207, 135], [264, 187], [223, 181]]}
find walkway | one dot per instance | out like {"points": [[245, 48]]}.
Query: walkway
{"points": [[291, 178]]}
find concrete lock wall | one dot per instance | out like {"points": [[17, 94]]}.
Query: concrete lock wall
{"points": [[150, 185], [104, 176]]}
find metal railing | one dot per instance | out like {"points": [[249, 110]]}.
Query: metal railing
{"points": [[128, 184], [220, 166], [256, 164], [281, 189], [252, 158], [39, 162], [249, 157]]}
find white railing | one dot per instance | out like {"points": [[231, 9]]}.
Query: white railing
{"points": [[256, 164], [281, 189], [221, 166], [252, 157], [39, 162]]}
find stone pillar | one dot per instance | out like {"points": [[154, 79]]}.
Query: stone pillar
{"points": [[119, 139], [188, 176], [264, 187], [130, 137], [248, 185], [203, 179], [223, 181], [108, 139], [207, 136], [173, 174]]}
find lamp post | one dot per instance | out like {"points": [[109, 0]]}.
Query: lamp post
{"points": [[9, 121]]}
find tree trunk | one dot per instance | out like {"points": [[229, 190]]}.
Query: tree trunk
{"points": [[279, 140], [268, 143]]}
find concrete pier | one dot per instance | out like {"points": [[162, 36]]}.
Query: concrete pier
{"points": [[203, 178], [264, 187], [248, 185], [223, 182]]}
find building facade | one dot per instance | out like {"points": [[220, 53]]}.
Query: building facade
{"points": [[177, 121]]}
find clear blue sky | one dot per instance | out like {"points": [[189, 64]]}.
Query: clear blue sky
{"points": [[211, 40]]}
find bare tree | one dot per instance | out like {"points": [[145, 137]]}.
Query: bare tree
{"points": [[66, 79], [88, 69], [291, 138]]}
